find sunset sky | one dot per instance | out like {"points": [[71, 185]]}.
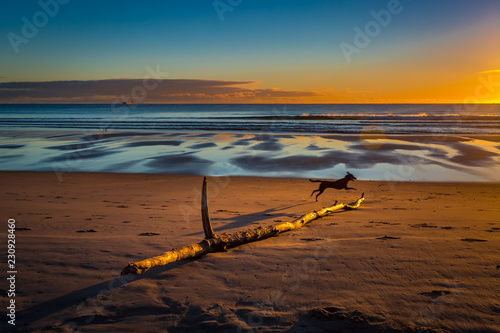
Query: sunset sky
{"points": [[251, 51]]}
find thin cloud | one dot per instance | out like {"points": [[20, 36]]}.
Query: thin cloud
{"points": [[490, 71], [349, 91]]}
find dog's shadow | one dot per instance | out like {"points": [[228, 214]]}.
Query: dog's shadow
{"points": [[239, 221]]}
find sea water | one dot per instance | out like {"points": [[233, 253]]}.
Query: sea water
{"points": [[272, 118], [403, 142]]}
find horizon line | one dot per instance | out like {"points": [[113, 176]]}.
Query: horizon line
{"points": [[332, 103]]}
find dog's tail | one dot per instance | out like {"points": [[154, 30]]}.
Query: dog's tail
{"points": [[315, 181]]}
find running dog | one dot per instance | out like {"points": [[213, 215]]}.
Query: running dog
{"points": [[338, 184]]}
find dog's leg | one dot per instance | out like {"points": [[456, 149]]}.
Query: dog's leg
{"points": [[313, 192], [320, 192]]}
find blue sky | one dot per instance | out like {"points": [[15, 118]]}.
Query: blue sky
{"points": [[290, 45]]}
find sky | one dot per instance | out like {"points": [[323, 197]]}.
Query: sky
{"points": [[250, 51]]}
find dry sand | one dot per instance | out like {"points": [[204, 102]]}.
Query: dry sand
{"points": [[414, 256]]}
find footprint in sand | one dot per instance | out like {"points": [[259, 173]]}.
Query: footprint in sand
{"points": [[88, 230], [436, 293], [312, 239], [388, 237], [148, 234], [423, 225], [472, 240], [333, 319], [381, 222]]}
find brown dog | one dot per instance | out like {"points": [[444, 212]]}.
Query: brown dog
{"points": [[338, 184]]}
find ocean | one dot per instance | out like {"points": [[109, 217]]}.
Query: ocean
{"points": [[403, 142], [250, 118]]}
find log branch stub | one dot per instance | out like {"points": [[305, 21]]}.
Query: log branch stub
{"points": [[205, 218]]}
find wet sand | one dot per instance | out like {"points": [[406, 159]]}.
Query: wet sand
{"points": [[370, 156], [414, 256]]}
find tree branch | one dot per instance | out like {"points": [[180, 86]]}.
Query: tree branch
{"points": [[218, 243]]}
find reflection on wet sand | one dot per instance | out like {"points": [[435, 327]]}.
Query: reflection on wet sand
{"points": [[387, 157]]}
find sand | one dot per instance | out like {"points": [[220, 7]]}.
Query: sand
{"points": [[419, 257]]}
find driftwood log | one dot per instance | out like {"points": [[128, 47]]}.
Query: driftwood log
{"points": [[218, 243]]}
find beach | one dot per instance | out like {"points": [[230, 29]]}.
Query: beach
{"points": [[415, 256], [250, 166]]}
